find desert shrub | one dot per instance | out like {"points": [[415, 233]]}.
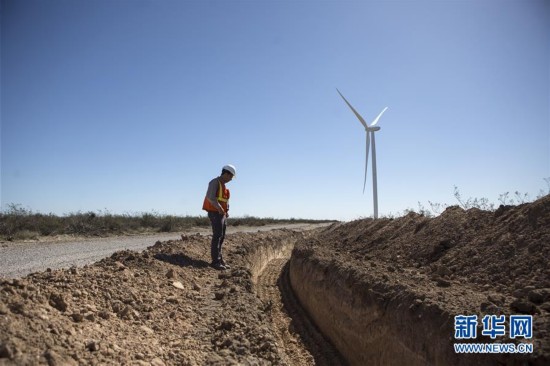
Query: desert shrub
{"points": [[485, 204], [18, 223], [167, 224], [201, 221], [79, 224], [13, 220], [48, 224], [148, 220]]}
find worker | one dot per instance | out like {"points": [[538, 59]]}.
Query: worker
{"points": [[216, 203]]}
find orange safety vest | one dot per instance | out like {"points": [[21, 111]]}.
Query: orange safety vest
{"points": [[222, 196]]}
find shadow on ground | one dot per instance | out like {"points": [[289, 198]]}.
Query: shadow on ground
{"points": [[181, 260]]}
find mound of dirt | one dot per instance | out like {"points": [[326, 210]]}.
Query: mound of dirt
{"points": [[461, 263], [162, 306]]}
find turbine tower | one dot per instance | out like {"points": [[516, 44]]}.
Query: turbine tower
{"points": [[370, 136]]}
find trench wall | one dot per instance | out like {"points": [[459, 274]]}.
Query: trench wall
{"points": [[369, 323], [262, 254], [374, 324]]}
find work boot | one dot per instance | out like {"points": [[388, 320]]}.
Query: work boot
{"points": [[218, 266], [227, 266]]}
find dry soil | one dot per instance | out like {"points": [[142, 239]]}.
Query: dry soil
{"points": [[365, 292]]}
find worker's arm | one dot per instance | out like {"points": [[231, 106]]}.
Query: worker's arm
{"points": [[211, 196]]}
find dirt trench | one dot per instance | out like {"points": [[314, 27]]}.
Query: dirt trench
{"points": [[299, 341], [376, 292], [385, 292], [372, 324], [324, 316]]}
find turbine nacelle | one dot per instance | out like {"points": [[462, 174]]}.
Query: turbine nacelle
{"points": [[375, 128]]}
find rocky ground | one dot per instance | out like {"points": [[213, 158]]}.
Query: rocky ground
{"points": [[166, 306], [162, 306]]}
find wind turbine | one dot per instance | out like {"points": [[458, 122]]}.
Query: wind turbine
{"points": [[370, 136]]}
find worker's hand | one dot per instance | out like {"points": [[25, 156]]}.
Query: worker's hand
{"points": [[221, 212]]}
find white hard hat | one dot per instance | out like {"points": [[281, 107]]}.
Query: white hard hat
{"points": [[230, 168]]}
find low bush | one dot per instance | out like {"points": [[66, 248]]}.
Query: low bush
{"points": [[17, 223]]}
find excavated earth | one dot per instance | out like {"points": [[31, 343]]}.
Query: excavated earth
{"points": [[386, 292], [367, 292]]}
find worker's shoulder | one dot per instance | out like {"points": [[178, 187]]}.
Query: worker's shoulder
{"points": [[213, 182]]}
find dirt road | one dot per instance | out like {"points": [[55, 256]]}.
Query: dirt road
{"points": [[21, 258]]}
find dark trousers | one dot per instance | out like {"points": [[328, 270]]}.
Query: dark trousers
{"points": [[218, 234]]}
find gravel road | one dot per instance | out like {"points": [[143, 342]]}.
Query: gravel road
{"points": [[21, 258]]}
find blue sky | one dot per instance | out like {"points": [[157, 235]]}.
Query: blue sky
{"points": [[133, 106]]}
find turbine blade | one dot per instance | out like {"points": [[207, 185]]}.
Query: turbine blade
{"points": [[353, 109], [377, 118], [366, 161]]}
